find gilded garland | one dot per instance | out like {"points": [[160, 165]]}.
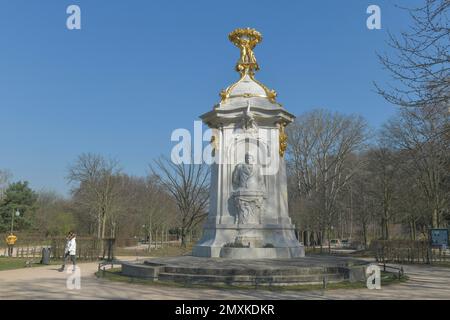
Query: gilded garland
{"points": [[283, 139]]}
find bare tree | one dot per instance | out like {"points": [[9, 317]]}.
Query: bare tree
{"points": [[53, 214], [126, 217], [420, 62], [384, 175], [320, 145], [412, 204], [188, 184], [361, 202], [5, 176], [98, 187], [416, 133], [158, 209]]}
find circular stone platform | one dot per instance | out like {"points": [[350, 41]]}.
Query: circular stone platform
{"points": [[312, 269]]}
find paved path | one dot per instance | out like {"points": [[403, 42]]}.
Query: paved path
{"points": [[47, 283]]}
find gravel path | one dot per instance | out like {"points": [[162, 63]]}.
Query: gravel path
{"points": [[47, 283]]}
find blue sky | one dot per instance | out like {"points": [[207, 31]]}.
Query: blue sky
{"points": [[139, 69]]}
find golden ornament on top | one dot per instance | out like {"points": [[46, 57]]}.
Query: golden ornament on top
{"points": [[246, 40]]}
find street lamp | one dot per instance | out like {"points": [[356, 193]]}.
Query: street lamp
{"points": [[17, 214]]}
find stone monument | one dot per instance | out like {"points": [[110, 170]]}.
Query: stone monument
{"points": [[248, 213]]}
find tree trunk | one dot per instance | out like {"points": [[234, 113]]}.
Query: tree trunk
{"points": [[103, 226], [308, 241], [435, 218], [150, 227], [183, 238], [113, 230], [351, 214], [364, 227], [103, 233], [320, 239], [149, 239], [385, 228], [99, 226], [328, 238]]}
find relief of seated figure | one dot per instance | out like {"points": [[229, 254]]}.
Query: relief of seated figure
{"points": [[247, 176], [248, 191]]}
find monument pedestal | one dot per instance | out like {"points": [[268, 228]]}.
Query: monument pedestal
{"points": [[248, 212], [266, 241], [248, 237], [237, 272]]}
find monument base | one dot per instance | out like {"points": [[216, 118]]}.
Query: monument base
{"points": [[251, 241], [248, 253], [294, 271]]}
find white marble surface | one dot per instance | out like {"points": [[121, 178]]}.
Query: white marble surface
{"points": [[234, 140]]}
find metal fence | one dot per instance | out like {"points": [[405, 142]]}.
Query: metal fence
{"points": [[407, 251], [88, 248]]}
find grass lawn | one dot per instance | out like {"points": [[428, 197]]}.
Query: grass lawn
{"points": [[445, 264], [168, 251], [8, 263], [335, 252], [115, 275], [11, 263]]}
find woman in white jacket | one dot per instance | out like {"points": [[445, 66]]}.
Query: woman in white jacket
{"points": [[70, 251]]}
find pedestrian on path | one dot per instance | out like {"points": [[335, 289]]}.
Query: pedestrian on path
{"points": [[11, 241], [70, 251]]}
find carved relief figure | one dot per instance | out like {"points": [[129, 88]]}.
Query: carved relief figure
{"points": [[247, 176], [248, 191]]}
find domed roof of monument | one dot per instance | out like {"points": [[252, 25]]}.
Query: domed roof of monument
{"points": [[247, 86]]}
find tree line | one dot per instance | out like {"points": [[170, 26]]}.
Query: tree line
{"points": [[345, 180], [105, 202]]}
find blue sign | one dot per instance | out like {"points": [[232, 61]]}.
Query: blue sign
{"points": [[439, 237]]}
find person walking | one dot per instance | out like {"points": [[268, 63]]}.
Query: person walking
{"points": [[11, 241], [70, 251]]}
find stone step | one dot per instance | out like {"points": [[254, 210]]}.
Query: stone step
{"points": [[249, 279], [246, 271]]}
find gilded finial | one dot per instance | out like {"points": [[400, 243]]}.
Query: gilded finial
{"points": [[246, 40]]}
